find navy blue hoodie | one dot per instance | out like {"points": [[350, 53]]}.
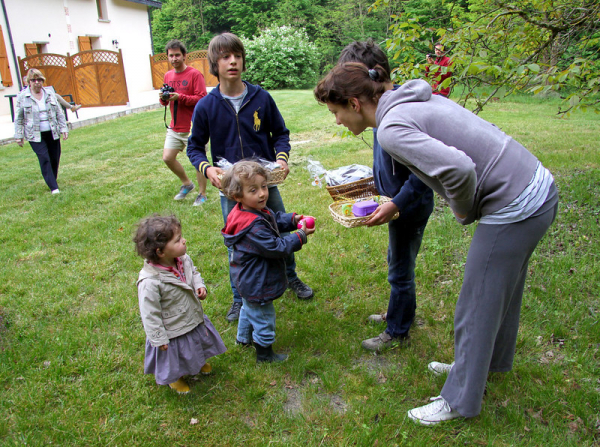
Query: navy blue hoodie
{"points": [[257, 130], [257, 262], [413, 198]]}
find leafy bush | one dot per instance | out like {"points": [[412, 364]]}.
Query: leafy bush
{"points": [[281, 58]]}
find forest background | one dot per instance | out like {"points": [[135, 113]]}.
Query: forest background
{"points": [[542, 47]]}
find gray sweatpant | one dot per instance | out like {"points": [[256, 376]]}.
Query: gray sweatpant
{"points": [[487, 314]]}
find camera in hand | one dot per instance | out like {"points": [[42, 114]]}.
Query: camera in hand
{"points": [[165, 91]]}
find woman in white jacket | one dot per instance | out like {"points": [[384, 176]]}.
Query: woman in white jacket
{"points": [[40, 120]]}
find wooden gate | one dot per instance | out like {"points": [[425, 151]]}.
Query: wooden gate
{"points": [[159, 64], [95, 78]]}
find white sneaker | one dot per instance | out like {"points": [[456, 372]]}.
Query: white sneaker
{"points": [[437, 411], [438, 368], [55, 191], [377, 318]]}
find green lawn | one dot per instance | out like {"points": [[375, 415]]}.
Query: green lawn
{"points": [[71, 339]]}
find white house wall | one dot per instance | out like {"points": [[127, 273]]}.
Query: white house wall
{"points": [[47, 21]]}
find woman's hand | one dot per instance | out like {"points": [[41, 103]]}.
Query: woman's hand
{"points": [[164, 347], [65, 135], [382, 215], [202, 292], [20, 141]]}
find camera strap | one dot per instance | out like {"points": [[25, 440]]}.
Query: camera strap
{"points": [[174, 115]]}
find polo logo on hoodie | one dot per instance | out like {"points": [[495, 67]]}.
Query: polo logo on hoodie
{"points": [[256, 120]]}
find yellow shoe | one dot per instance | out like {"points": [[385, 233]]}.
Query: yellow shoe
{"points": [[206, 369], [180, 386]]}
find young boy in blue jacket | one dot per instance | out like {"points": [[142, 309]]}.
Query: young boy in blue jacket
{"points": [[414, 200], [258, 251], [242, 121]]}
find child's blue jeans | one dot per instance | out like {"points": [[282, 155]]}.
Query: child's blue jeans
{"points": [[257, 322]]}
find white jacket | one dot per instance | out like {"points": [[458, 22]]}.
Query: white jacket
{"points": [[27, 116], [168, 306]]}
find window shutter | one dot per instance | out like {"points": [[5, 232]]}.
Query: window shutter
{"points": [[4, 66], [85, 43], [30, 49]]}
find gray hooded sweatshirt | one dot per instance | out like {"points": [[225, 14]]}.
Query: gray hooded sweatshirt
{"points": [[471, 163]]}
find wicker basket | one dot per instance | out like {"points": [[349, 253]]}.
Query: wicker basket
{"points": [[277, 176], [355, 190], [352, 221]]}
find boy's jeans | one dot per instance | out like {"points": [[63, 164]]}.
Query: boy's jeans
{"points": [[257, 322], [404, 243], [275, 203]]}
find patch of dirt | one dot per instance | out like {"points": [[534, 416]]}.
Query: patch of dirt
{"points": [[373, 363], [249, 421], [337, 403], [293, 405], [2, 328]]}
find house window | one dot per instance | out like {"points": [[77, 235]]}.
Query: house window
{"points": [[35, 48], [102, 10]]}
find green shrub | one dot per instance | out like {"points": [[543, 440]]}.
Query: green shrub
{"points": [[282, 58]]}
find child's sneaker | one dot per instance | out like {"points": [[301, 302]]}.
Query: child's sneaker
{"points": [[438, 368], [180, 386], [206, 369], [184, 191], [437, 411]]}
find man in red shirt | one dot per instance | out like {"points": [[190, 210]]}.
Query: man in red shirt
{"points": [[438, 77], [189, 87]]}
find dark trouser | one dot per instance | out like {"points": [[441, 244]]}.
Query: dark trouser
{"points": [[275, 202], [404, 243], [48, 153], [487, 314]]}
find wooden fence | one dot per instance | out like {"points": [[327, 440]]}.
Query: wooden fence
{"points": [[94, 78], [159, 64]]}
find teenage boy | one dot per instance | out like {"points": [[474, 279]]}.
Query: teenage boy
{"points": [[414, 200], [242, 121], [189, 87]]}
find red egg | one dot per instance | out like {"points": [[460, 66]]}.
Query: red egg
{"points": [[310, 222]]}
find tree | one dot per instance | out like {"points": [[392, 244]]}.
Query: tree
{"points": [[330, 24], [499, 47], [194, 22], [281, 57]]}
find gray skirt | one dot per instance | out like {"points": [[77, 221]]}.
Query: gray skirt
{"points": [[186, 354]]}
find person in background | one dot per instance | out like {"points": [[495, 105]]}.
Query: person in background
{"points": [[484, 175], [188, 88], [40, 120], [414, 200], [242, 121], [62, 101], [439, 76]]}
